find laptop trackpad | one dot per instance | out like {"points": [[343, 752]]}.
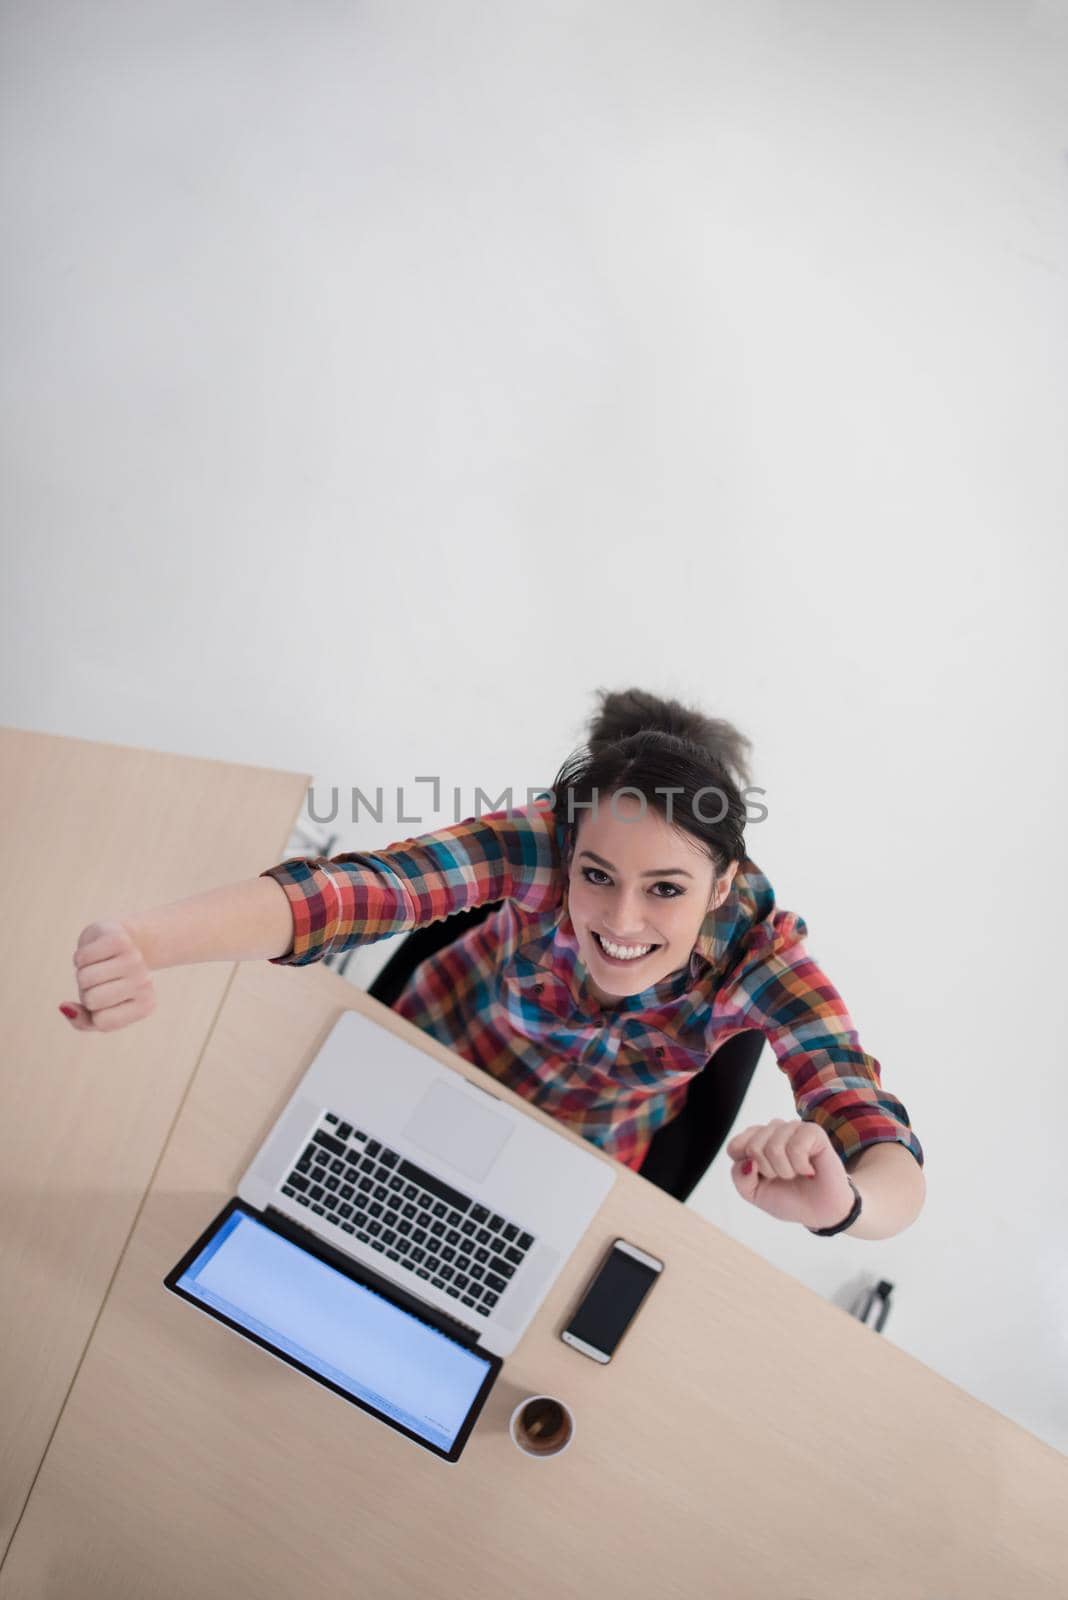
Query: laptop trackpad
{"points": [[453, 1126]]}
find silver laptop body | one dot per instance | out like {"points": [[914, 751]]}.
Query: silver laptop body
{"points": [[466, 1171]]}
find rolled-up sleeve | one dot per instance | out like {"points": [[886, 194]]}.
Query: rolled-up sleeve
{"points": [[835, 1082], [358, 897]]}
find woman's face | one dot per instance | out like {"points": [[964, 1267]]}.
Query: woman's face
{"points": [[650, 885]]}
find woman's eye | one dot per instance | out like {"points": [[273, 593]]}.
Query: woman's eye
{"points": [[663, 884]]}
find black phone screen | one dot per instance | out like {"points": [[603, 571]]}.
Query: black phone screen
{"points": [[611, 1300]]}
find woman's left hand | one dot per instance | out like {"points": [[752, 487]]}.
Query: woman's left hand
{"points": [[797, 1175]]}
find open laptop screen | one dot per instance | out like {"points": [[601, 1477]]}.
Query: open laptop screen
{"points": [[316, 1317]]}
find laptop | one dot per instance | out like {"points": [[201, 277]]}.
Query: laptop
{"points": [[395, 1233]]}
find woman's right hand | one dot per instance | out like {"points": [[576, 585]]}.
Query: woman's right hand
{"points": [[114, 982]]}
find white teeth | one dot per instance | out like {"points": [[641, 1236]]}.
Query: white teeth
{"points": [[625, 952]]}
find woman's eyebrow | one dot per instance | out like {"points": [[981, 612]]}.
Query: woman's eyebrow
{"points": [[657, 872]]}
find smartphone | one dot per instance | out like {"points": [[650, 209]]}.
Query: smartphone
{"points": [[611, 1300]]}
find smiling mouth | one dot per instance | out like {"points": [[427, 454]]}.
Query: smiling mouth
{"points": [[622, 961]]}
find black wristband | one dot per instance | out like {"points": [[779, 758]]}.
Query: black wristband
{"points": [[848, 1221]]}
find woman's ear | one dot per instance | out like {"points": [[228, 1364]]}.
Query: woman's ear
{"points": [[722, 887]]}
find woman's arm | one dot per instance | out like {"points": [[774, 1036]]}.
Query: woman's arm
{"points": [[835, 1081], [837, 1086], [244, 921], [358, 897], [892, 1188], [295, 911]]}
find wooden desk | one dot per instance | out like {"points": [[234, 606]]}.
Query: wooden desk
{"points": [[749, 1440], [90, 831]]}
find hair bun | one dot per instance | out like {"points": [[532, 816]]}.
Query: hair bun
{"points": [[623, 712]]}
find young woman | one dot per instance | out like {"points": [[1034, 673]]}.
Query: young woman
{"points": [[634, 937]]}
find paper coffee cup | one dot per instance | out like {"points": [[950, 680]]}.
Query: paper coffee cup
{"points": [[542, 1426]]}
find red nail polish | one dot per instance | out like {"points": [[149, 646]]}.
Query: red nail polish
{"points": [[747, 1167], [68, 1011]]}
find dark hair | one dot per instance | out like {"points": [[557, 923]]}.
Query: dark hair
{"points": [[642, 742]]}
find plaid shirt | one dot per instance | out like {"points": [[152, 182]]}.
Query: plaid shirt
{"points": [[510, 995]]}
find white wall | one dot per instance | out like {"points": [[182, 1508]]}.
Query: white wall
{"points": [[380, 380]]}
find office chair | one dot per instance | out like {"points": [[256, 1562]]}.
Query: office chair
{"points": [[681, 1151]]}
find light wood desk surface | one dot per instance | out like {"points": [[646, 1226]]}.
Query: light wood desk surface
{"points": [[749, 1439], [95, 830]]}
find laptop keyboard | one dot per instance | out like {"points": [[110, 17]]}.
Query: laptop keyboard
{"points": [[411, 1216]]}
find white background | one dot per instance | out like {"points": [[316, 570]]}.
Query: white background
{"points": [[381, 379]]}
